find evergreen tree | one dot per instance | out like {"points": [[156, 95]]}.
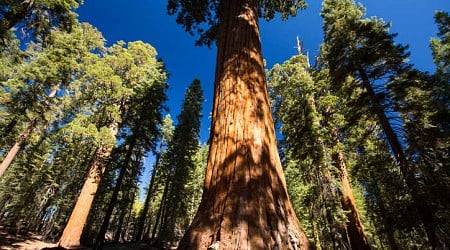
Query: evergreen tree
{"points": [[125, 73], [244, 181], [166, 136], [309, 117], [34, 102], [36, 17], [141, 119], [363, 49], [181, 151]]}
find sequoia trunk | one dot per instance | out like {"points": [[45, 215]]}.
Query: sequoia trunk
{"points": [[70, 238], [355, 229], [245, 204]]}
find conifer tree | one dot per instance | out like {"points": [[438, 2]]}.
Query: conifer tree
{"points": [[363, 49], [141, 120], [166, 136], [181, 151], [244, 181], [36, 17], [33, 101], [308, 115], [123, 74]]}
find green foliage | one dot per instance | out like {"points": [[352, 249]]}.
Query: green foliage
{"points": [[202, 16], [36, 17], [182, 165], [302, 104], [73, 91]]}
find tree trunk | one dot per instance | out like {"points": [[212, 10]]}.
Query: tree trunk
{"points": [[143, 215], [16, 147], [423, 208], [387, 220], [112, 203], [23, 137], [159, 214], [70, 238], [355, 229], [245, 204]]}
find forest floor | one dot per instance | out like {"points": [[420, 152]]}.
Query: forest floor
{"points": [[34, 242]]}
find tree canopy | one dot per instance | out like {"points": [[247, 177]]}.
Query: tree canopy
{"points": [[202, 17]]}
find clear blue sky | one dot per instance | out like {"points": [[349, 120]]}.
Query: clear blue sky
{"points": [[147, 20]]}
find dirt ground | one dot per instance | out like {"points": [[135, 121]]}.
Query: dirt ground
{"points": [[34, 242], [28, 242]]}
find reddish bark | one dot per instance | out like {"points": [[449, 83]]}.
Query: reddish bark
{"points": [[354, 227], [23, 137], [16, 147], [70, 238], [245, 204]]}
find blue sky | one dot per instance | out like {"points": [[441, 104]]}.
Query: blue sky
{"points": [[147, 20]]}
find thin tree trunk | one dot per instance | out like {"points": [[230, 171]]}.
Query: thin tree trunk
{"points": [[122, 212], [245, 204], [16, 147], [355, 229], [159, 215], [70, 238], [23, 137], [422, 206], [112, 203], [141, 222]]}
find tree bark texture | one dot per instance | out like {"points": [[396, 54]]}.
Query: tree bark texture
{"points": [[354, 226], [245, 204], [70, 238]]}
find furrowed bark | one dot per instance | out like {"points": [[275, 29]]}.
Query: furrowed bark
{"points": [[245, 204]]}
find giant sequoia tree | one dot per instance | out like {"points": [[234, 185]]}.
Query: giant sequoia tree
{"points": [[245, 203]]}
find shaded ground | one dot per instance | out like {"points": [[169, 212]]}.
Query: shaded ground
{"points": [[18, 241], [34, 242]]}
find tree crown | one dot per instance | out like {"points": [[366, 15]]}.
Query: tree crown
{"points": [[202, 16]]}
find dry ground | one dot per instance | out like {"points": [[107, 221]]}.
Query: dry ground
{"points": [[34, 242]]}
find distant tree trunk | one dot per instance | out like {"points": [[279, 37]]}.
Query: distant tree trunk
{"points": [[70, 238], [355, 229], [245, 204], [112, 203], [16, 147], [23, 137], [143, 215], [161, 209], [422, 206]]}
